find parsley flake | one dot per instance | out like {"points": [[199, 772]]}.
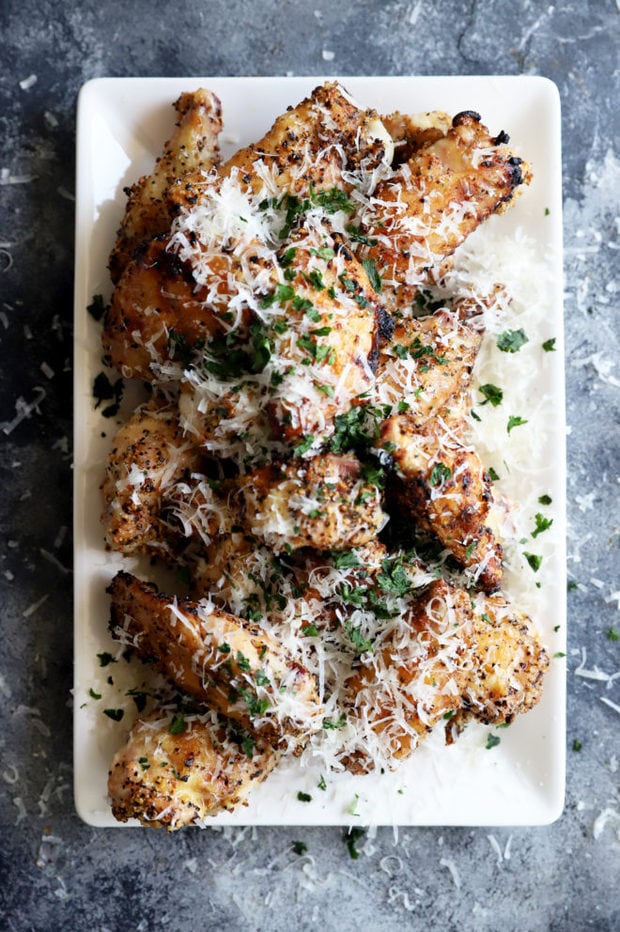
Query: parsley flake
{"points": [[492, 742], [549, 345], [351, 837], [511, 341], [542, 524], [533, 559], [514, 421], [492, 394]]}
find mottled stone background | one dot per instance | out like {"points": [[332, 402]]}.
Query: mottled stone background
{"points": [[58, 874]]}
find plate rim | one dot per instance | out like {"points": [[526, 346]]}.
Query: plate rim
{"points": [[87, 96]]}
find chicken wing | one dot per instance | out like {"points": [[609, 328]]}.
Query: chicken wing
{"points": [[231, 665], [449, 657], [435, 200], [428, 360], [443, 486], [192, 146], [148, 457], [178, 770], [323, 502]]}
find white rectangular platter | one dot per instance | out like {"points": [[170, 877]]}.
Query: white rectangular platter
{"points": [[122, 124]]}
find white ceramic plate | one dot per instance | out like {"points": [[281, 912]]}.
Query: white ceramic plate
{"points": [[122, 123]]}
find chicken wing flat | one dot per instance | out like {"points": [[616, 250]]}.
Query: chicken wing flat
{"points": [[177, 769], [450, 657], [445, 489], [434, 201], [192, 146], [231, 665], [148, 457]]}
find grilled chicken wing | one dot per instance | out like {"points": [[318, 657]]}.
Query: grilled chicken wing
{"points": [[310, 350], [323, 502], [450, 657], [428, 360], [443, 486], [149, 456], [433, 202], [312, 143], [225, 662], [192, 146], [176, 770], [161, 309]]}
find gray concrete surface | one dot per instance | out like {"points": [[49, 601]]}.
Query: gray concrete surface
{"points": [[58, 874]]}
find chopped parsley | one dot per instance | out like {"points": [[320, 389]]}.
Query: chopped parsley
{"points": [[358, 237], [352, 809], [545, 500], [559, 654], [304, 797], [224, 648], [310, 631], [492, 394], [323, 253], [115, 714], [96, 308], [612, 634], [93, 694], [345, 559], [304, 445], [177, 726], [492, 741], [351, 838], [549, 345], [144, 763], [577, 745], [492, 474], [322, 785], [533, 559], [329, 723], [511, 341], [247, 746], [440, 474], [332, 201], [514, 421], [104, 390], [105, 659], [542, 524], [361, 645], [242, 662], [373, 275], [299, 847]]}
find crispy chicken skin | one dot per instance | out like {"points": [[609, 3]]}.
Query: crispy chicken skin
{"points": [[323, 502], [148, 457], [231, 665], [171, 780], [443, 486], [438, 198], [464, 659], [192, 146]]}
